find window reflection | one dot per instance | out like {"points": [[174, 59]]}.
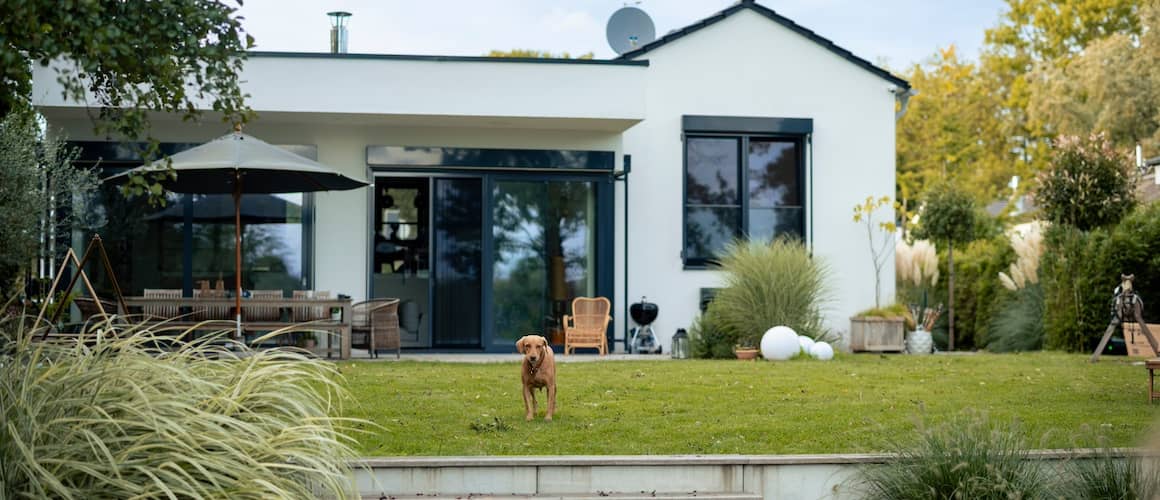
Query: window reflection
{"points": [[544, 240], [191, 239], [717, 210]]}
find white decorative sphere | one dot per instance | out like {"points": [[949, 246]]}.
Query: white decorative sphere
{"points": [[822, 351], [806, 343], [779, 343]]}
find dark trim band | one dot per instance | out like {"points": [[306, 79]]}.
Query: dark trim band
{"points": [[490, 159], [747, 125]]}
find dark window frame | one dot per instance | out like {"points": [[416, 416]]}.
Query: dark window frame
{"points": [[744, 129]]}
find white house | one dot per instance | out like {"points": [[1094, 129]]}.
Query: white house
{"points": [[505, 187]]}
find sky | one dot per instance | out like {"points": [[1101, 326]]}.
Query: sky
{"points": [[893, 33]]}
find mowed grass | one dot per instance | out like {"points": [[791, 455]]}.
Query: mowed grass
{"points": [[851, 404]]}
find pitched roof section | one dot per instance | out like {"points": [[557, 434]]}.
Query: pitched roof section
{"points": [[777, 18]]}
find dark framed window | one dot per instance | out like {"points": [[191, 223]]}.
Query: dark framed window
{"points": [[740, 185]]}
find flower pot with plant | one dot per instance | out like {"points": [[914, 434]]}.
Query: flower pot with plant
{"points": [[879, 328], [746, 348], [917, 269]]}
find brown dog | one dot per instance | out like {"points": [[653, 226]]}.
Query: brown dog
{"points": [[538, 372]]}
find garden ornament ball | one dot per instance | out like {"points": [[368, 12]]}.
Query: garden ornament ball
{"points": [[779, 343], [822, 351], [806, 343]]}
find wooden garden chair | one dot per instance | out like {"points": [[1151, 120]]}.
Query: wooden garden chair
{"points": [[587, 325], [162, 311]]}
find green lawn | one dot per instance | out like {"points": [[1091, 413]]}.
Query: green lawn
{"points": [[718, 407]]}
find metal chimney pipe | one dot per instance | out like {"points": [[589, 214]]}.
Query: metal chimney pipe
{"points": [[338, 22]]}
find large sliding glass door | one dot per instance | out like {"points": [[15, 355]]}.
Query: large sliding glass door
{"points": [[481, 260], [543, 255]]}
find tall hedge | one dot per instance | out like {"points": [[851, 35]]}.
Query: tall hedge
{"points": [[1078, 280]]}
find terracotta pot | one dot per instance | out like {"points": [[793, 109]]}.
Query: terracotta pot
{"points": [[746, 353]]}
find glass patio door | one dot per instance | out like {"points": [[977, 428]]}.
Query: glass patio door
{"points": [[427, 252], [543, 255], [457, 262]]}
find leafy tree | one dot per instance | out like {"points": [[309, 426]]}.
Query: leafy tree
{"points": [[948, 215], [41, 194], [1113, 86], [132, 58], [1042, 34], [536, 54], [951, 131], [1089, 183]]}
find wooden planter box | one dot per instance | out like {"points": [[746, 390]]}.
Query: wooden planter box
{"points": [[877, 334]]}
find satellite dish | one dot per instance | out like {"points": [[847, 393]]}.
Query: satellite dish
{"points": [[628, 29]]}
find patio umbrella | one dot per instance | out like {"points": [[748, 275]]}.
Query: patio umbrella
{"points": [[238, 163]]}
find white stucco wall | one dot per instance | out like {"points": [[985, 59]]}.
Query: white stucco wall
{"points": [[747, 65]]}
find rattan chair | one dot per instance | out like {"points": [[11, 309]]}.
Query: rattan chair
{"points": [[375, 323], [587, 325], [161, 311]]}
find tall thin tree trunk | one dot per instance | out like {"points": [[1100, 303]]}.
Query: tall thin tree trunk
{"points": [[951, 296]]}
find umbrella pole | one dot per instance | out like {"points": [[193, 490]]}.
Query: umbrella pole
{"points": [[238, 253]]}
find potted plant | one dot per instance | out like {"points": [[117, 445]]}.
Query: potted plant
{"points": [[746, 348], [879, 328], [917, 268]]}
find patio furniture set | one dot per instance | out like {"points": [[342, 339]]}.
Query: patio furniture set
{"points": [[371, 324]]}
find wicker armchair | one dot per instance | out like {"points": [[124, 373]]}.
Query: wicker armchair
{"points": [[587, 325], [376, 321]]}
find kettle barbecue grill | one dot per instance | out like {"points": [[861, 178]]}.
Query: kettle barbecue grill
{"points": [[643, 340]]}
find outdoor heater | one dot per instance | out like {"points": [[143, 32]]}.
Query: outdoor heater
{"points": [[643, 340]]}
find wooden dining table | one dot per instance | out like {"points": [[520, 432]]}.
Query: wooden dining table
{"points": [[188, 307]]}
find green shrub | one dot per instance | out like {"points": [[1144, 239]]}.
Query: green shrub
{"points": [[708, 340], [1108, 474], [1087, 185], [1078, 281], [965, 457], [770, 284], [32, 172], [112, 416], [1133, 249], [977, 290], [1017, 324]]}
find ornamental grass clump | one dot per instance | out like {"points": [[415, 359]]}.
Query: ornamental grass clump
{"points": [[967, 456], [1110, 474], [109, 415], [770, 284], [1018, 323]]}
